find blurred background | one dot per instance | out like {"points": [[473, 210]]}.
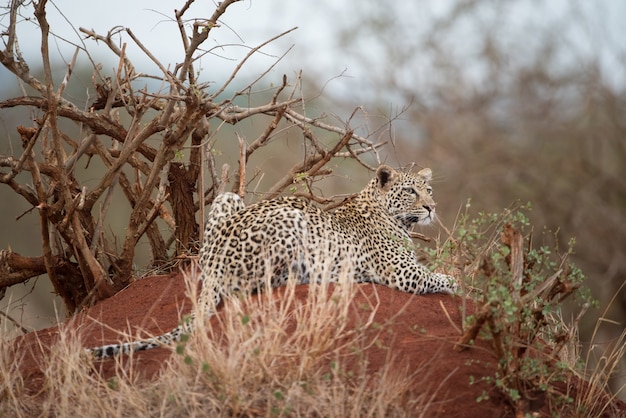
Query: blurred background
{"points": [[517, 101]]}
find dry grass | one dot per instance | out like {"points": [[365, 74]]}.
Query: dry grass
{"points": [[600, 371], [265, 357]]}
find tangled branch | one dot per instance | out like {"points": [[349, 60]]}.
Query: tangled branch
{"points": [[118, 129]]}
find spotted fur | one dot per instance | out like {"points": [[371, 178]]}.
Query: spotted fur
{"points": [[366, 238]]}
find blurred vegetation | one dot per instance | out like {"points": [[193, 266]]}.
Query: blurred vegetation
{"points": [[513, 102]]}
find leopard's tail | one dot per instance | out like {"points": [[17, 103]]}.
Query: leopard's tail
{"points": [[112, 350]]}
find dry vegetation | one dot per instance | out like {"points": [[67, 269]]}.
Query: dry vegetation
{"points": [[275, 358], [288, 356]]}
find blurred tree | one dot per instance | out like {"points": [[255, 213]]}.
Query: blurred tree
{"points": [[511, 101]]}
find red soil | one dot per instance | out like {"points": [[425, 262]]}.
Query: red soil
{"points": [[422, 333]]}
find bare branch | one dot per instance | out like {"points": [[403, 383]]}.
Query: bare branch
{"points": [[108, 41], [234, 114], [89, 266], [265, 137], [134, 140], [308, 167], [224, 178], [68, 74], [241, 174], [12, 58], [29, 137], [98, 123], [145, 132], [103, 210], [146, 51], [248, 55], [201, 32], [302, 120]]}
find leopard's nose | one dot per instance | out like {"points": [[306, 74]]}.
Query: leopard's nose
{"points": [[430, 207]]}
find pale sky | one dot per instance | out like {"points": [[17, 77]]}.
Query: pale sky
{"points": [[599, 29], [246, 23]]}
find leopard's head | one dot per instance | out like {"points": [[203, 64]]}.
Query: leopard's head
{"points": [[407, 197]]}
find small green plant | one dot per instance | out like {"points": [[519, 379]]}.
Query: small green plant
{"points": [[112, 383], [519, 289], [300, 180], [483, 397]]}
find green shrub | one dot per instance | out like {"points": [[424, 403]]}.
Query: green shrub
{"points": [[519, 282]]}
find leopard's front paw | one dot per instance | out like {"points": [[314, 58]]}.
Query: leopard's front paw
{"points": [[448, 284]]}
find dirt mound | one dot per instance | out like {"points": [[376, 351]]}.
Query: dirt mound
{"points": [[419, 335]]}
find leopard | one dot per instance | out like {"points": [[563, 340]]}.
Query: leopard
{"points": [[367, 238]]}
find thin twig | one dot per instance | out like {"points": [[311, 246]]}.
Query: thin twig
{"points": [[224, 178], [243, 158], [419, 236], [243, 61], [68, 74], [233, 114], [149, 54], [299, 119], [200, 34], [447, 314], [27, 154], [17, 325], [104, 208], [265, 137], [309, 166], [108, 41]]}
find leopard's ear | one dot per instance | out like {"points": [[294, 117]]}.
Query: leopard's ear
{"points": [[426, 174], [386, 177]]}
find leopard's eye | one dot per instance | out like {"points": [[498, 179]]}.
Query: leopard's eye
{"points": [[429, 190], [409, 190]]}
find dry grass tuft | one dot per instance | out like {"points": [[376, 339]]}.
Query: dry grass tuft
{"points": [[600, 371]]}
